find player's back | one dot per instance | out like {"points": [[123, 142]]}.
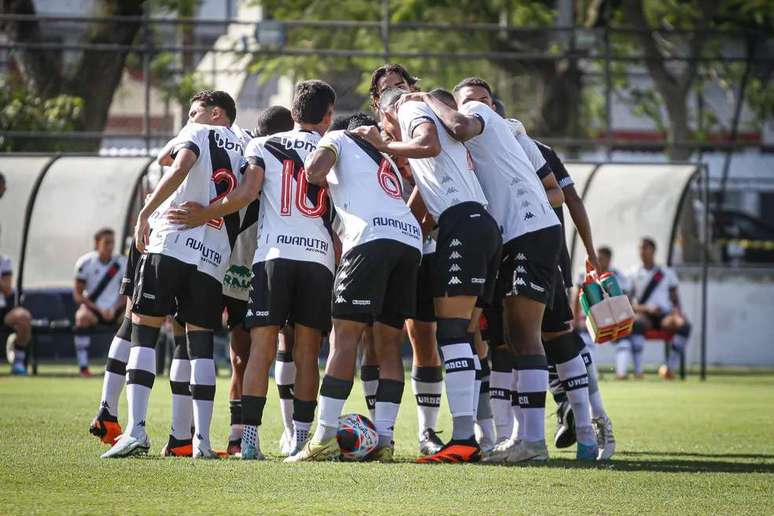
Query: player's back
{"points": [[213, 175], [446, 179], [294, 217], [517, 199], [366, 190]]}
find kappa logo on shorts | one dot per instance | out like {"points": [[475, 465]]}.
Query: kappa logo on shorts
{"points": [[455, 281], [455, 268], [478, 281], [249, 313], [520, 282], [455, 256], [340, 300], [537, 287], [521, 270], [361, 302], [455, 243], [520, 257], [148, 296]]}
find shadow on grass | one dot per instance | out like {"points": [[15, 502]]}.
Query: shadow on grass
{"points": [[661, 466], [762, 456]]}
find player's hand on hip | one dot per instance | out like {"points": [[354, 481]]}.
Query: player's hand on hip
{"points": [[371, 135], [189, 215]]}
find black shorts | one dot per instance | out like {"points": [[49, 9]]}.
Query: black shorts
{"points": [[236, 310], [529, 264], [165, 286], [655, 320], [284, 290], [127, 282], [425, 308], [117, 318], [558, 314], [377, 281], [467, 254]]}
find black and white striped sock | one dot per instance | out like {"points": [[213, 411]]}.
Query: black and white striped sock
{"points": [[140, 375], [115, 368], [179, 381], [200, 350]]}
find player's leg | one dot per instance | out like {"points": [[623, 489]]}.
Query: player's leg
{"points": [[239, 354], [485, 426], [369, 370], [388, 334], [642, 324], [306, 355], [84, 320], [285, 376], [682, 331], [105, 426], [426, 380], [20, 320], [622, 351], [179, 443], [501, 377]]}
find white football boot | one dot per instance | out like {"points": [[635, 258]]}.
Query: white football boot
{"points": [[127, 446]]}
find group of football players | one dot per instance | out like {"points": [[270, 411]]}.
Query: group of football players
{"points": [[435, 216]]}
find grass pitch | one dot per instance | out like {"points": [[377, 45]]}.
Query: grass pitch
{"points": [[688, 447]]}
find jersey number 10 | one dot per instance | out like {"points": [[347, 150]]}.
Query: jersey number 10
{"points": [[302, 187]]}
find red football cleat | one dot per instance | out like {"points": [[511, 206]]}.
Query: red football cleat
{"points": [[454, 452]]}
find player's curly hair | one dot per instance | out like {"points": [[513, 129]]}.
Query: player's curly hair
{"points": [[274, 119], [360, 119], [220, 99], [311, 101], [472, 81]]}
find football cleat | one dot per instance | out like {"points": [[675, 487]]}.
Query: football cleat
{"points": [[128, 446], [430, 443], [19, 370], [234, 447], [286, 443], [605, 438], [314, 451], [106, 427], [206, 454], [85, 372], [665, 373], [500, 452], [250, 452], [382, 454], [564, 437], [524, 451], [586, 451], [177, 448], [454, 452], [10, 348]]}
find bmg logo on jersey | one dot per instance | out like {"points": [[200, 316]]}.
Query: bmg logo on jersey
{"points": [[289, 144], [227, 144]]}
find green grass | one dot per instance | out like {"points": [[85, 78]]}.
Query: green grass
{"points": [[683, 448]]}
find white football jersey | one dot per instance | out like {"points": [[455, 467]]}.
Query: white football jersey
{"points": [[90, 269], [447, 179], [294, 220], [214, 175], [236, 282], [517, 199], [639, 277], [365, 188], [529, 147]]}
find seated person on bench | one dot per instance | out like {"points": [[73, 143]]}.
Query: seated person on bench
{"points": [[657, 307], [97, 279], [14, 320]]}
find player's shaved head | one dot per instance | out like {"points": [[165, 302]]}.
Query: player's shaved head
{"points": [[274, 119], [361, 119], [312, 101], [444, 96], [389, 97]]}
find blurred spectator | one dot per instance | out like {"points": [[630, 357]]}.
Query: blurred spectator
{"points": [[13, 319], [657, 307], [98, 276]]}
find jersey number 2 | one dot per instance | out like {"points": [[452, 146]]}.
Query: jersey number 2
{"points": [[301, 190], [225, 182]]}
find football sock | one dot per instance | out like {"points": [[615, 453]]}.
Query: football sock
{"points": [[555, 385], [388, 396], [518, 422], [677, 348], [576, 385], [115, 368], [484, 416], [82, 343], [637, 345], [235, 410], [333, 394], [252, 415], [200, 349], [595, 397], [476, 384], [303, 415], [500, 381], [532, 387], [460, 378], [140, 375], [622, 350], [180, 383], [285, 376], [369, 376], [427, 383]]}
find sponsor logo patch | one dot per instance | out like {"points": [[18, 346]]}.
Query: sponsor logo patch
{"points": [[536, 287], [361, 302], [478, 281]]}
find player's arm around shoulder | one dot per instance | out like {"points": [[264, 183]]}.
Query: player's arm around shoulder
{"points": [[462, 126], [320, 162]]}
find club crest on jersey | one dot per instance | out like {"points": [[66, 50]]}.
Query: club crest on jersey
{"points": [[290, 144]]}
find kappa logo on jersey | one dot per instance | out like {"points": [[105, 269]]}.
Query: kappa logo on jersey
{"points": [[537, 287], [455, 255], [452, 190], [310, 244], [526, 204], [520, 192], [455, 243], [521, 257], [291, 144], [455, 268], [529, 215], [455, 281], [445, 179], [408, 229]]}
